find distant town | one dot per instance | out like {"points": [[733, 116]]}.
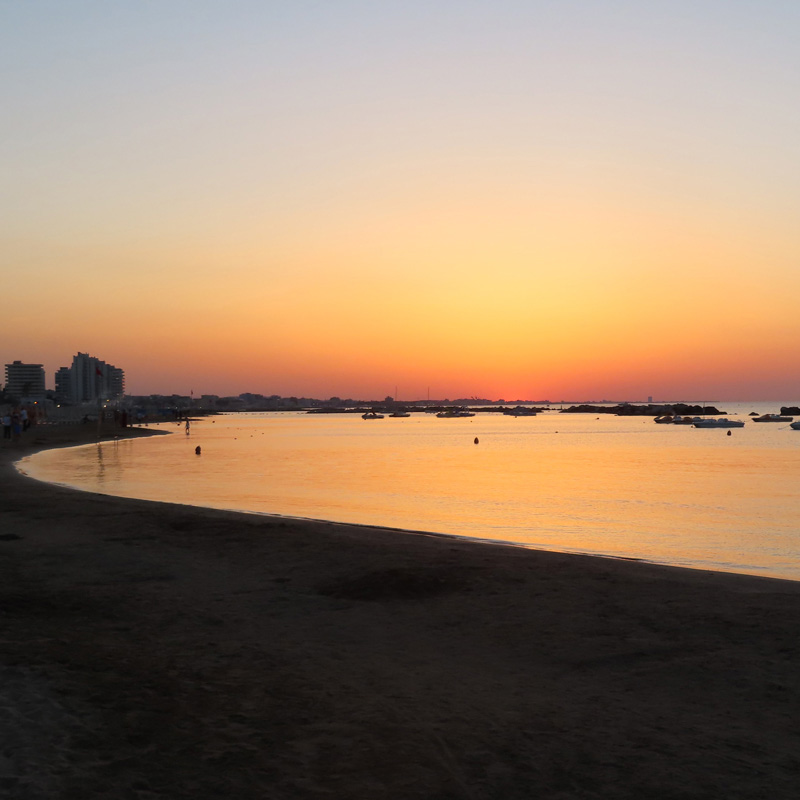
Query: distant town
{"points": [[90, 385], [90, 381]]}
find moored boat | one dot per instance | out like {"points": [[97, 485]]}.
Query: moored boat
{"points": [[724, 422], [451, 413], [520, 411], [795, 425], [371, 415], [772, 418]]}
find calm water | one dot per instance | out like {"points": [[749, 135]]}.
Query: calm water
{"points": [[617, 486]]}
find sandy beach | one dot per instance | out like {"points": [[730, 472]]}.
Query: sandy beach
{"points": [[163, 651]]}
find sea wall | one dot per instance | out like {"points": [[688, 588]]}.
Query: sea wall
{"points": [[649, 410]]}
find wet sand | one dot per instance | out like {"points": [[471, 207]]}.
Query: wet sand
{"points": [[163, 651]]}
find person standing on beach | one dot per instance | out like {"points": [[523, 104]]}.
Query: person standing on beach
{"points": [[6, 425], [16, 424], [187, 426]]}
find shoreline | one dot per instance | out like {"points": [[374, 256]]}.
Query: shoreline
{"points": [[162, 650], [85, 438]]}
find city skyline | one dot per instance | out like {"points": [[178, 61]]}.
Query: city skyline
{"points": [[87, 365], [516, 199], [88, 379]]}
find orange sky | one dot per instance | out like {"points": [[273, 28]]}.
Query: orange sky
{"points": [[435, 199]]}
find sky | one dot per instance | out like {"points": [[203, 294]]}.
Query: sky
{"points": [[539, 200]]}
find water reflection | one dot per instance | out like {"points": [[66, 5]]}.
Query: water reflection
{"points": [[101, 469], [619, 486], [109, 465]]}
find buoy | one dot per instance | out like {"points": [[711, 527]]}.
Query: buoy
{"points": [[729, 433], [476, 440], [197, 450]]}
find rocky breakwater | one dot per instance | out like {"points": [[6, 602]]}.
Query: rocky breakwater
{"points": [[647, 410]]}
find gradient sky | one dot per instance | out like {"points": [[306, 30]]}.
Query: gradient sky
{"points": [[566, 199]]}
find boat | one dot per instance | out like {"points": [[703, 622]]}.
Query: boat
{"points": [[520, 411], [371, 415], [686, 420], [399, 414], [665, 419], [451, 413], [772, 418], [723, 422], [795, 425], [668, 419]]}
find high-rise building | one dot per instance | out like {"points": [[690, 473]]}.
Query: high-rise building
{"points": [[25, 381], [116, 382], [89, 380], [83, 383], [93, 379], [64, 384]]}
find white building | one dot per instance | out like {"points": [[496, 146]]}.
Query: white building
{"points": [[25, 381], [91, 380]]}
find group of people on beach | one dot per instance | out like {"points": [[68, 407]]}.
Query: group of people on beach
{"points": [[15, 422]]}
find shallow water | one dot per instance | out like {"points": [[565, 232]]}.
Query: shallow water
{"points": [[617, 486]]}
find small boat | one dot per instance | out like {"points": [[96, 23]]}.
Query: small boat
{"points": [[665, 419], [795, 425], [723, 422], [520, 411], [451, 413], [772, 418], [399, 414], [686, 420], [371, 415]]}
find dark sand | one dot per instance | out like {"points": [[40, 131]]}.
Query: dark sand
{"points": [[162, 651]]}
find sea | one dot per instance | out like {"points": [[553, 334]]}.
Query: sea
{"points": [[600, 484]]}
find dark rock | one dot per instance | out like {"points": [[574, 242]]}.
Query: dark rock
{"points": [[649, 410]]}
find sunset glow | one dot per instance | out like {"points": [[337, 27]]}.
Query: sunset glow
{"points": [[519, 200]]}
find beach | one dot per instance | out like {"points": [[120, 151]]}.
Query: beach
{"points": [[153, 650]]}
